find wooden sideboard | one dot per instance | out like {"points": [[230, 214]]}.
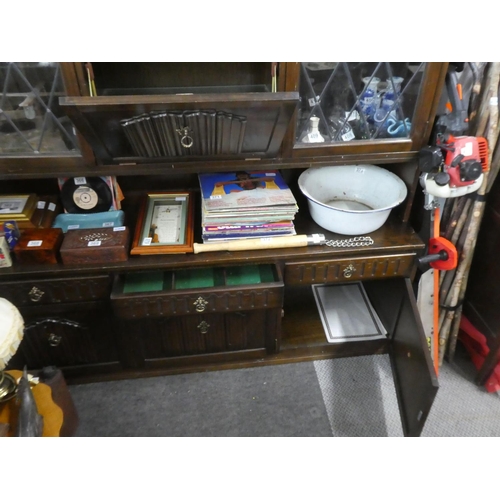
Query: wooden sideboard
{"points": [[84, 320]]}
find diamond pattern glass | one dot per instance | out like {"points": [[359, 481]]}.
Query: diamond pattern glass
{"points": [[341, 102], [31, 121]]}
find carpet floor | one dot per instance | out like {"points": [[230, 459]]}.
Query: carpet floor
{"points": [[346, 397]]}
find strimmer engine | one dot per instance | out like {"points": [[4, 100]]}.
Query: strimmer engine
{"points": [[454, 167]]}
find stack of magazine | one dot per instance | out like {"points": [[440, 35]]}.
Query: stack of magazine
{"points": [[237, 205]]}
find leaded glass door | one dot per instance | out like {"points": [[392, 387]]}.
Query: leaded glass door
{"points": [[32, 124], [31, 121], [362, 107]]}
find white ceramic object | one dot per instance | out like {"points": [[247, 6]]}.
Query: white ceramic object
{"points": [[11, 331], [351, 199]]}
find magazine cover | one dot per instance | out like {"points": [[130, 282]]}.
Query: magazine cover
{"points": [[212, 238], [248, 227], [244, 219], [241, 190]]}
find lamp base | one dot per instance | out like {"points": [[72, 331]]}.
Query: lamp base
{"points": [[8, 386]]}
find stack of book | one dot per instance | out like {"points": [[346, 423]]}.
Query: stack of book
{"points": [[237, 205]]}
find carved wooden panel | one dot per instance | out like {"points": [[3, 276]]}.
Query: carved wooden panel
{"points": [[349, 269], [99, 119], [204, 301], [63, 336], [198, 334], [53, 291]]}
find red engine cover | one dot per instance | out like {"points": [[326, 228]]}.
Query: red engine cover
{"points": [[472, 148]]}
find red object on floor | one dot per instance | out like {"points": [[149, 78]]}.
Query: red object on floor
{"points": [[475, 343]]}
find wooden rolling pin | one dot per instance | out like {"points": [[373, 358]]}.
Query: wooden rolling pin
{"points": [[302, 240]]}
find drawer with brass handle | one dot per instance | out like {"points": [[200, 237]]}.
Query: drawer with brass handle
{"points": [[339, 270], [56, 290], [197, 291]]}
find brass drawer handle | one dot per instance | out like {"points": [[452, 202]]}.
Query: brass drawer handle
{"points": [[35, 294], [203, 327], [186, 140], [200, 303], [54, 340], [349, 270]]}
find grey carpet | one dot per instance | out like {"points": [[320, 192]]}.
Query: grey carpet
{"points": [[360, 396], [347, 397], [461, 408], [360, 399], [264, 401]]}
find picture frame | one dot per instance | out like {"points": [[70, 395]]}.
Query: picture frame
{"points": [[164, 224], [17, 207]]}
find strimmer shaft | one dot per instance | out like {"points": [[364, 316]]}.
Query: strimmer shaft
{"points": [[302, 240]]}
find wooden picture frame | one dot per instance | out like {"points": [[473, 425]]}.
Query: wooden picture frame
{"points": [[164, 224], [17, 207]]}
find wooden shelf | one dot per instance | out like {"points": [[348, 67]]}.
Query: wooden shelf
{"points": [[394, 236], [303, 334]]}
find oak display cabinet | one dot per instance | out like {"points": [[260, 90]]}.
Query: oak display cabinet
{"points": [[107, 329]]}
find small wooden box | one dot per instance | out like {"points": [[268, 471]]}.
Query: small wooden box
{"points": [[39, 246], [95, 246]]}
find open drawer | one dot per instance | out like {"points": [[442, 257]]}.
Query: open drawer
{"points": [[198, 311], [197, 290]]}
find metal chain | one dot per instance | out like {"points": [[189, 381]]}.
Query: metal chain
{"points": [[358, 241]]}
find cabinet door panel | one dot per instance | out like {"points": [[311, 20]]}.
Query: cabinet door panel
{"points": [[66, 336], [163, 338], [34, 132], [157, 338], [106, 121], [246, 330], [149, 339], [204, 333], [362, 110], [414, 375]]}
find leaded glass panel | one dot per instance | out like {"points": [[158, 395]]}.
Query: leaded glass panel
{"points": [[31, 121], [342, 102]]}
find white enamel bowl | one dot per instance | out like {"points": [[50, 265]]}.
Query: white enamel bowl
{"points": [[351, 199]]}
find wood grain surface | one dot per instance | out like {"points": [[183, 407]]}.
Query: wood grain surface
{"points": [[51, 413]]}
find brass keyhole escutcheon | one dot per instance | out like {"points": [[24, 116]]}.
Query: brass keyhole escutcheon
{"points": [[349, 271], [203, 327], [54, 340], [200, 304], [35, 294]]}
